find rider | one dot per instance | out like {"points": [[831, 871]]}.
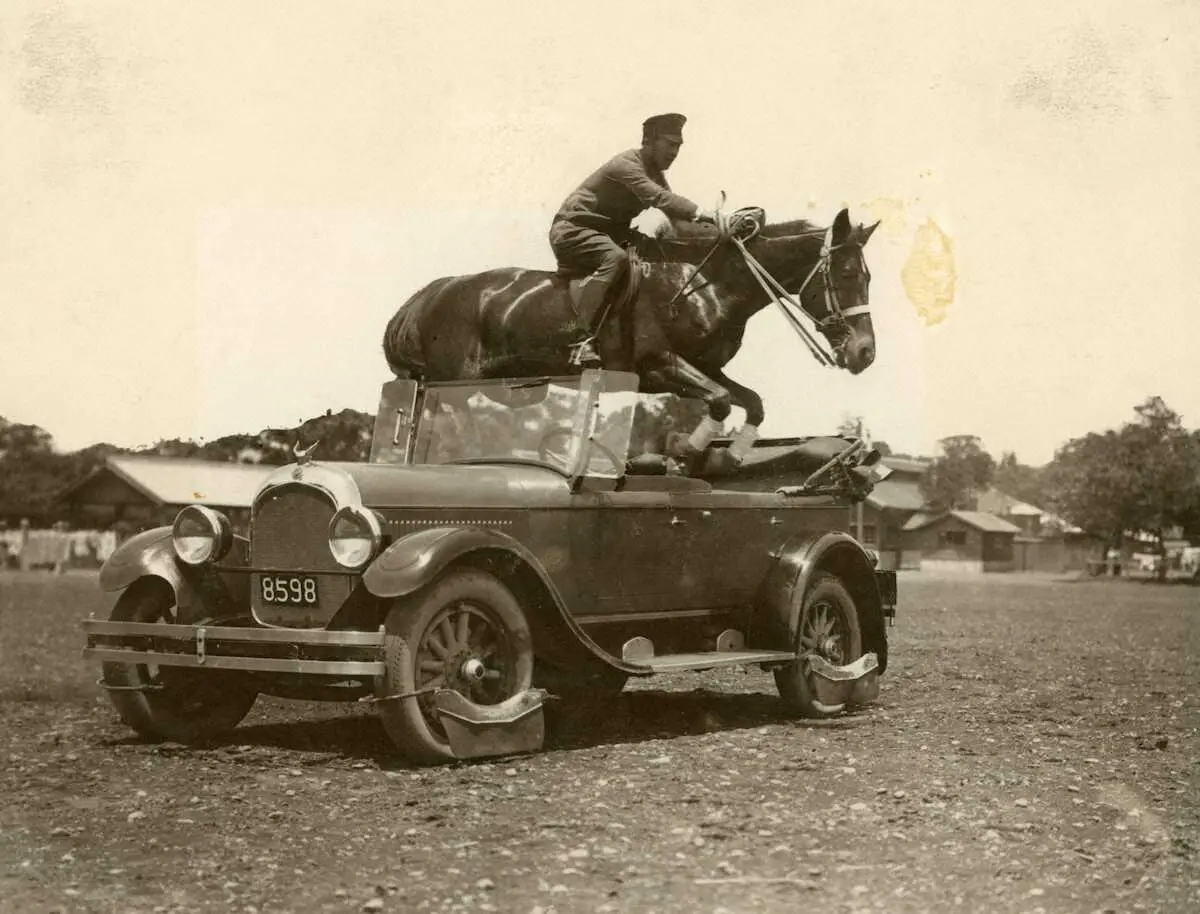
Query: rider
{"points": [[593, 223]]}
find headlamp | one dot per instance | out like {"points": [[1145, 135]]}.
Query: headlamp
{"points": [[201, 535], [355, 536]]}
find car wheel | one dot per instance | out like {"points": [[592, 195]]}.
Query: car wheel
{"points": [[828, 626], [169, 702], [465, 632]]}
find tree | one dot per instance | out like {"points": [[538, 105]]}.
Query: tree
{"points": [[19, 440], [1143, 477], [955, 478], [1088, 482], [1018, 480], [31, 473], [1166, 489], [851, 426]]}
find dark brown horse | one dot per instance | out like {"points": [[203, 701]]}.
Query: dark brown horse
{"points": [[520, 323]]}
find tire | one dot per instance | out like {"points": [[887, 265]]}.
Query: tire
{"points": [[465, 614], [182, 704], [828, 625]]}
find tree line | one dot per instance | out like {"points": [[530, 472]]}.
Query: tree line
{"points": [[33, 474], [1143, 477]]}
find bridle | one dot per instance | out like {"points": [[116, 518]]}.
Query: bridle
{"points": [[742, 226]]}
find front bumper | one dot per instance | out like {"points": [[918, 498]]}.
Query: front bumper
{"points": [[267, 650]]}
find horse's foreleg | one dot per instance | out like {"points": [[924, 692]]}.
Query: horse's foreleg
{"points": [[670, 374], [752, 403]]}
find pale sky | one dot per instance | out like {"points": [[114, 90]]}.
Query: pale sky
{"points": [[208, 212]]}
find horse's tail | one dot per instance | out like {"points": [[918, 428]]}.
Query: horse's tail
{"points": [[403, 348]]}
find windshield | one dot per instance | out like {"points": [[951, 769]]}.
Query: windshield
{"points": [[579, 426]]}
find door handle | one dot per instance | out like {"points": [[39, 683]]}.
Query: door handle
{"points": [[774, 521], [676, 522]]}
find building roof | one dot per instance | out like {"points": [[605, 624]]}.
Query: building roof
{"points": [[900, 493], [184, 481], [916, 465], [993, 501], [980, 520]]}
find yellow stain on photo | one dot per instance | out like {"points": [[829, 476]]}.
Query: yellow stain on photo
{"points": [[929, 274]]}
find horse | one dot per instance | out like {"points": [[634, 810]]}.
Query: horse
{"points": [[698, 289]]}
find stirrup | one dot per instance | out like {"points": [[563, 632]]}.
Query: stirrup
{"points": [[584, 355]]}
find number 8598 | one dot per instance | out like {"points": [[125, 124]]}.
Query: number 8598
{"points": [[290, 589]]}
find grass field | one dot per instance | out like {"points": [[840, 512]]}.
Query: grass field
{"points": [[1036, 748], [40, 639]]}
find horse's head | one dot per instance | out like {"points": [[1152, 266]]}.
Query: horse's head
{"points": [[823, 267], [837, 296], [832, 282]]}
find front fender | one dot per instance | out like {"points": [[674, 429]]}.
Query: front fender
{"points": [[798, 562], [149, 553], [417, 559], [199, 592], [414, 560]]}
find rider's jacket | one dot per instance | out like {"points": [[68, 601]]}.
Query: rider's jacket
{"points": [[625, 185]]}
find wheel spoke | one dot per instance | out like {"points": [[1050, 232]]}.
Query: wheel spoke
{"points": [[447, 631], [434, 642], [463, 632], [439, 680], [429, 665]]}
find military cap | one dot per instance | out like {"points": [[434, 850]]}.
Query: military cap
{"points": [[664, 125]]}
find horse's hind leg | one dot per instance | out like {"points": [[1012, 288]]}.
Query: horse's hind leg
{"points": [[752, 403], [670, 374]]}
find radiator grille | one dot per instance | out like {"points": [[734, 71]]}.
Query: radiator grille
{"points": [[289, 532]]}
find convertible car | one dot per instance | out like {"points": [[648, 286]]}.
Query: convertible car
{"points": [[504, 543]]}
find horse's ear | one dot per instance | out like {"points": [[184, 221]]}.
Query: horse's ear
{"points": [[866, 231], [841, 227]]}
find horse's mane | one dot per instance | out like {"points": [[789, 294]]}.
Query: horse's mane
{"points": [[791, 228], [697, 239]]}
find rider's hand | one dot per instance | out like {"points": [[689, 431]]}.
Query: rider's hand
{"points": [[705, 215]]}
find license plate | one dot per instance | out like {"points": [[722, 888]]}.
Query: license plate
{"points": [[288, 589]]}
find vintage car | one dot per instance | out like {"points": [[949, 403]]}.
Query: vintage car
{"points": [[503, 543]]}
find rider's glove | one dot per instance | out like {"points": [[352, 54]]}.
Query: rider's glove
{"points": [[705, 215]]}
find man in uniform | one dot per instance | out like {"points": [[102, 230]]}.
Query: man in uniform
{"points": [[593, 223]]}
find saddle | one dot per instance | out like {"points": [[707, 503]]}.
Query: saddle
{"points": [[623, 294]]}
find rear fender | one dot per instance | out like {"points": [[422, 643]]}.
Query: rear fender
{"points": [[200, 592], [415, 560], [798, 563]]}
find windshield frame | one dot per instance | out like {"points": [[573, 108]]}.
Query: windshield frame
{"points": [[596, 420]]}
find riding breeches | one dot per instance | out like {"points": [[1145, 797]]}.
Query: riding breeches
{"points": [[583, 252]]}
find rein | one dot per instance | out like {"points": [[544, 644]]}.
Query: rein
{"points": [[788, 303], [779, 295]]}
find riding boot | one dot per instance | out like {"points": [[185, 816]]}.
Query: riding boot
{"points": [[592, 312]]}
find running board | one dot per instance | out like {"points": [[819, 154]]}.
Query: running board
{"points": [[707, 660]]}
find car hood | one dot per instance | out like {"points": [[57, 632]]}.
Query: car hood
{"points": [[444, 486]]}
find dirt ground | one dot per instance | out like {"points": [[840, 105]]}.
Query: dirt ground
{"points": [[1034, 749]]}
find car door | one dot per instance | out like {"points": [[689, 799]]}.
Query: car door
{"points": [[727, 548], [631, 550]]}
